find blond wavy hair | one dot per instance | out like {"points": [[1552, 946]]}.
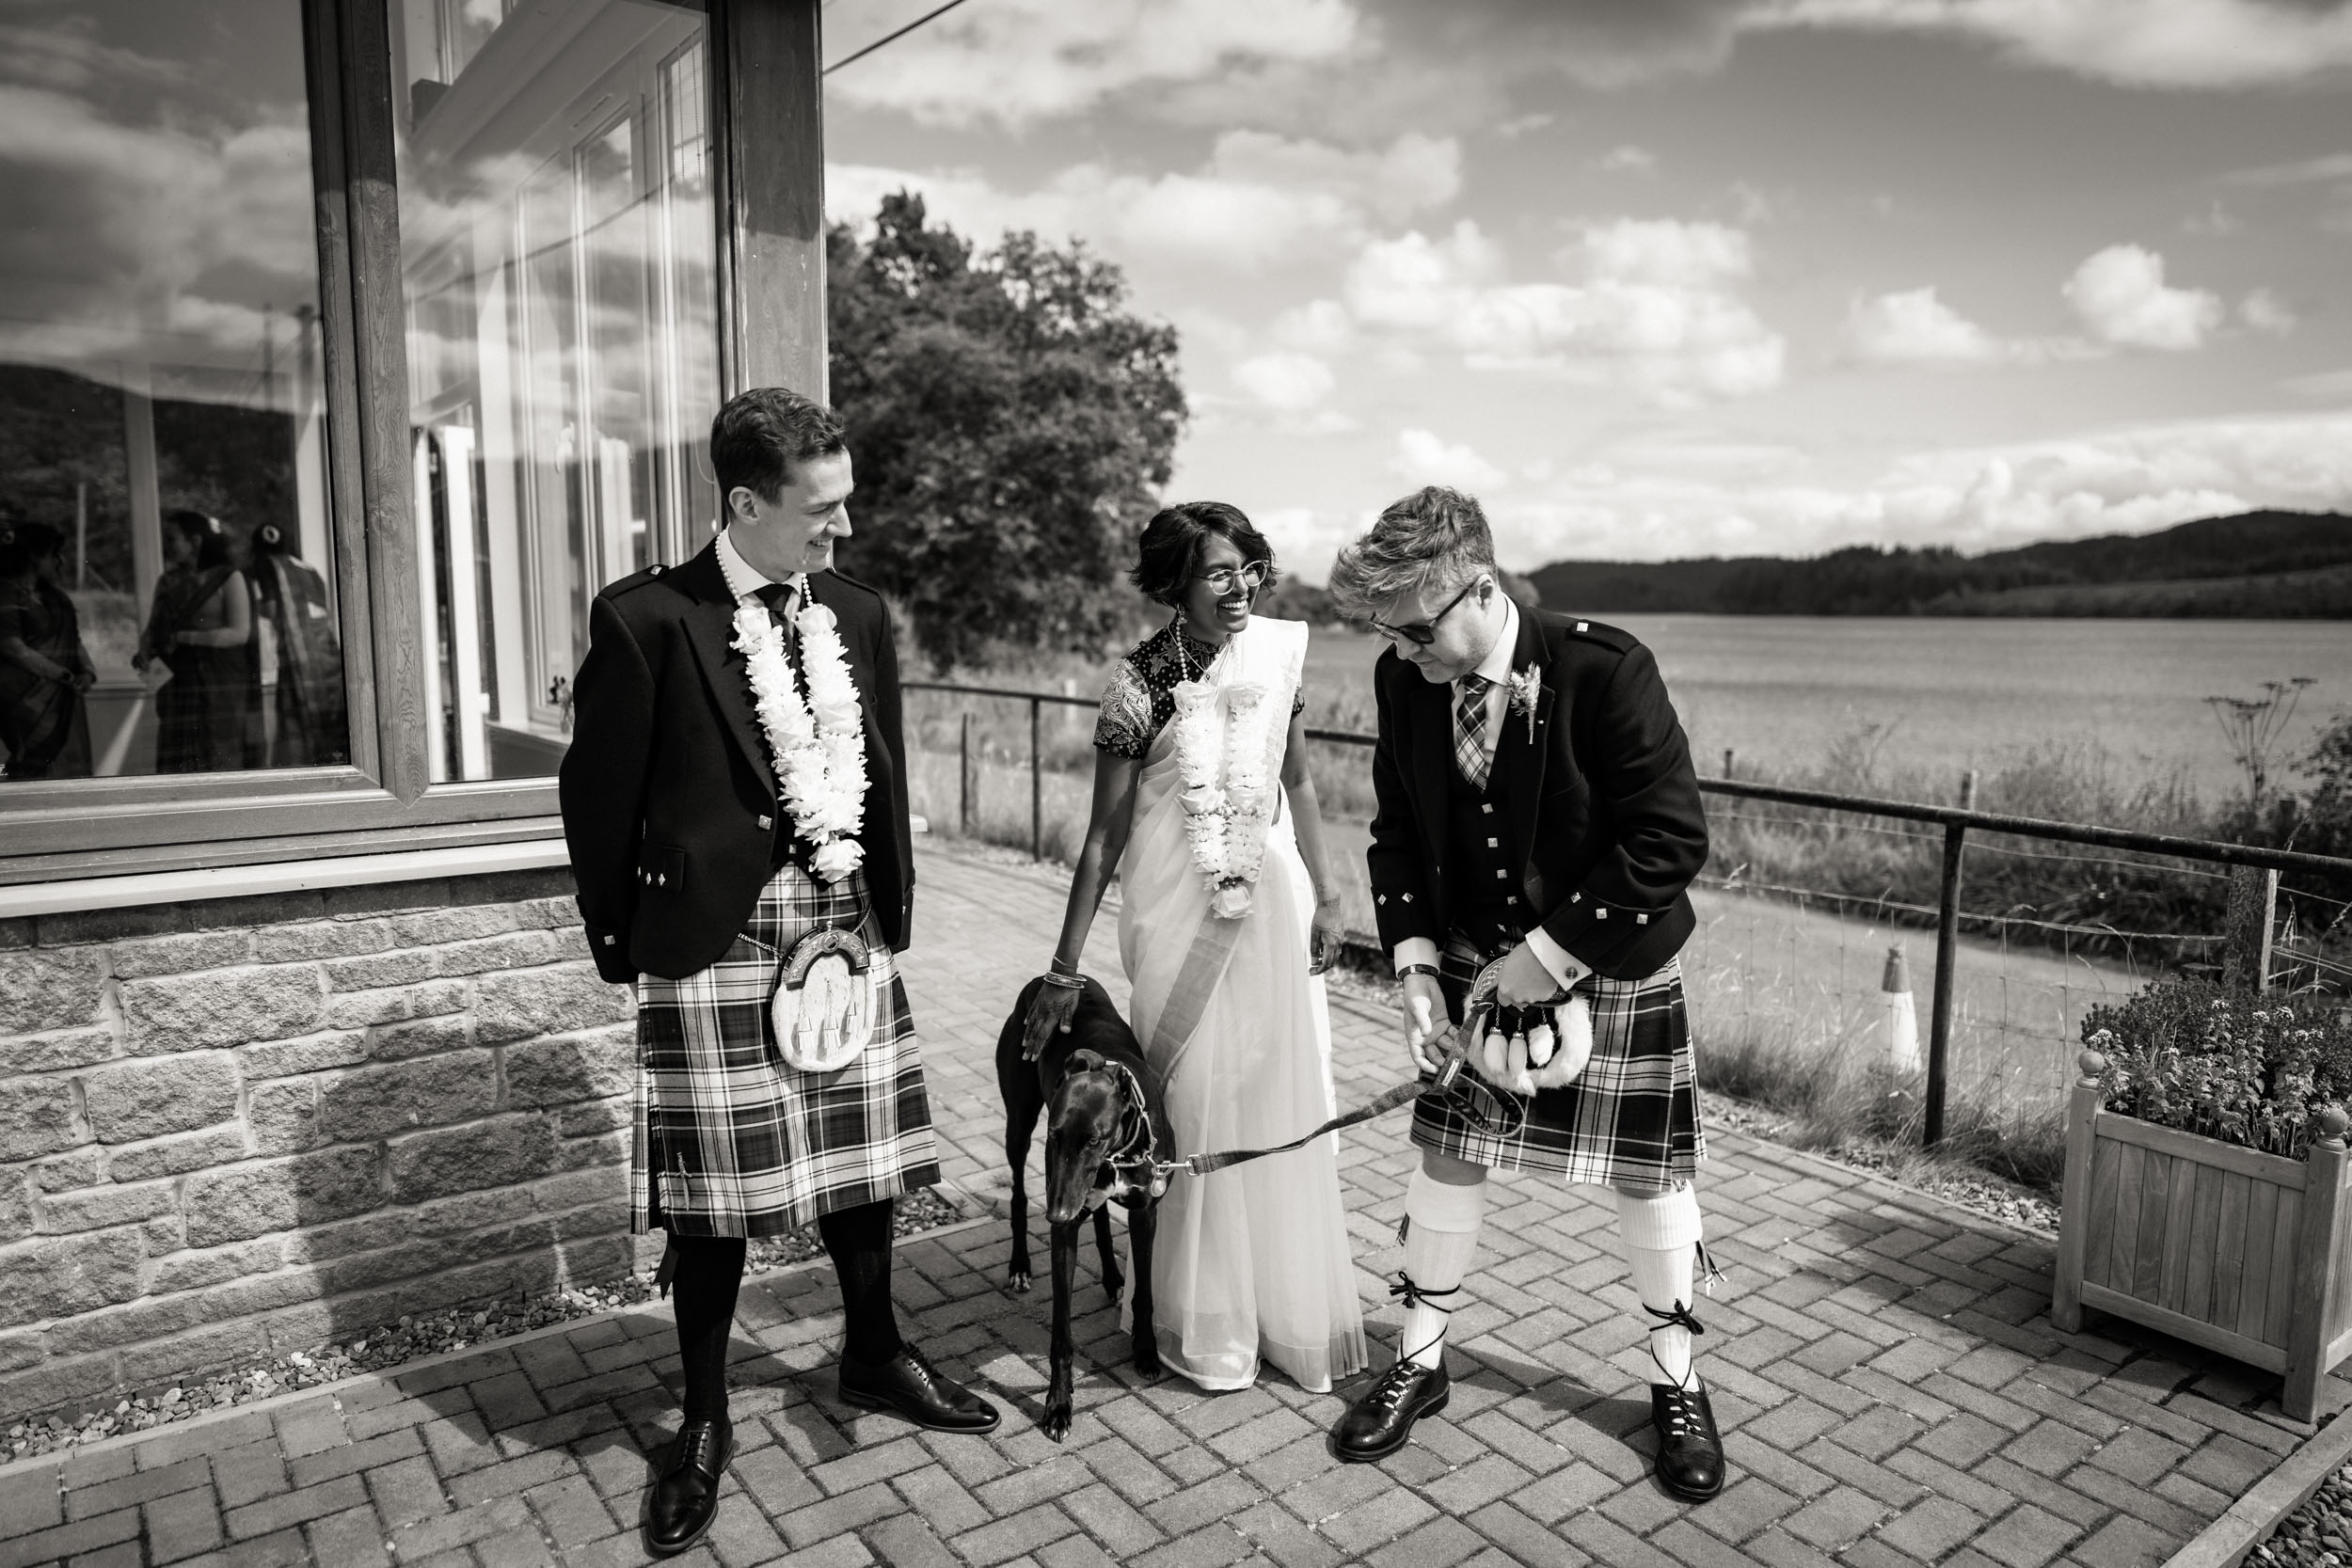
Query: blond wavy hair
{"points": [[1435, 538]]}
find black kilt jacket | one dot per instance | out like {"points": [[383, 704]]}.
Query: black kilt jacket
{"points": [[668, 797], [1602, 809]]}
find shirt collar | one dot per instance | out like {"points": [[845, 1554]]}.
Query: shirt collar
{"points": [[744, 581], [1496, 667]]}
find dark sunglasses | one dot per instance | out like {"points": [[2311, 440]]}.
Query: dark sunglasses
{"points": [[1422, 633]]}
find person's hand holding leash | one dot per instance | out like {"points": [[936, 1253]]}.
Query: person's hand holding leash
{"points": [[1425, 1020]]}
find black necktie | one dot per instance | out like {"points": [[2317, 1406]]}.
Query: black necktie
{"points": [[779, 597]]}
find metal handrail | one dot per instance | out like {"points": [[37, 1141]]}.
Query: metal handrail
{"points": [[1956, 821]]}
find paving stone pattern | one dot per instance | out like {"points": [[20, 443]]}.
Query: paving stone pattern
{"points": [[1885, 1369]]}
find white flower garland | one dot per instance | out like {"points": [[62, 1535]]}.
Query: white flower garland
{"points": [[1225, 823], [819, 743]]}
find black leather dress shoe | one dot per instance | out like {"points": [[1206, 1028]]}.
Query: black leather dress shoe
{"points": [[910, 1384], [686, 1499], [1690, 1452], [1380, 1423]]}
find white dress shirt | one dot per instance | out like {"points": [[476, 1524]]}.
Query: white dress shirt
{"points": [[744, 581], [1496, 668]]}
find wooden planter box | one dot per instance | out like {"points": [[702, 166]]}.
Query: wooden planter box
{"points": [[2243, 1253]]}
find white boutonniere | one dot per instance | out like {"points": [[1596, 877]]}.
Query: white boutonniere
{"points": [[1527, 688]]}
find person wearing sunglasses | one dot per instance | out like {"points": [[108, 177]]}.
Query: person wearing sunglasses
{"points": [[1536, 810], [1228, 917]]}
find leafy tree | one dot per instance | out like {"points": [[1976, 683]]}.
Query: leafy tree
{"points": [[1011, 421]]}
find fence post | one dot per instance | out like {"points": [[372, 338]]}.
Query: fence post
{"points": [[2066, 1281], [1968, 790], [1946, 956], [2249, 928], [2315, 1265], [1727, 758], [963, 778], [1037, 786]]}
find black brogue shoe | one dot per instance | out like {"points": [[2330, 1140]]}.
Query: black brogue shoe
{"points": [[1381, 1422], [1689, 1450], [686, 1499], [910, 1384]]}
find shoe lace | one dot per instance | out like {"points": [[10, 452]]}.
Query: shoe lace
{"points": [[1390, 1391], [1678, 1317], [1685, 1417], [1413, 1296], [920, 1365], [698, 1446]]}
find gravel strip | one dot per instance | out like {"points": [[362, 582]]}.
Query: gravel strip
{"points": [[2320, 1532], [392, 1345]]}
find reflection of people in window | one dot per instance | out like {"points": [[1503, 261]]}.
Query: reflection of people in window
{"points": [[43, 667], [202, 628], [290, 597]]}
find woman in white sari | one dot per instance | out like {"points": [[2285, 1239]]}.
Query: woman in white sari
{"points": [[1228, 916]]}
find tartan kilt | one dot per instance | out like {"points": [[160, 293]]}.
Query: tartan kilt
{"points": [[727, 1140], [1630, 1119]]}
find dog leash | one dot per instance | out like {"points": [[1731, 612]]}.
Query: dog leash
{"points": [[1453, 1090]]}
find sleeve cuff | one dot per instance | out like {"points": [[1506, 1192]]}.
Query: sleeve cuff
{"points": [[1416, 950], [1563, 964]]}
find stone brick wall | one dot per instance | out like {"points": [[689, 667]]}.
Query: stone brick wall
{"points": [[256, 1125]]}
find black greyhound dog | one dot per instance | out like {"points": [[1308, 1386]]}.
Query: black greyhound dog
{"points": [[1104, 1121]]}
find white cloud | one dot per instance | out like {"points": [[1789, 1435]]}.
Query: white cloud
{"points": [[1017, 61], [1656, 310], [1914, 327], [2122, 298], [1628, 159], [1649, 505], [2169, 43], [2265, 312], [1318, 326], [1422, 458], [1286, 382], [1259, 201]]}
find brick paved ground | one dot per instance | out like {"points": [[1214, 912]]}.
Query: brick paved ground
{"points": [[1892, 1388]]}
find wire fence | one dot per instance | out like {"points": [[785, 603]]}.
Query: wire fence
{"points": [[2015, 927]]}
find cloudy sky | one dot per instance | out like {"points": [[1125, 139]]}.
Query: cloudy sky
{"points": [[1662, 278]]}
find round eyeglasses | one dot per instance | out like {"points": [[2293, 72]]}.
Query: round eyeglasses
{"points": [[1226, 578]]}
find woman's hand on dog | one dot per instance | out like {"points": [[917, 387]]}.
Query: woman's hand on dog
{"points": [[1050, 1013]]}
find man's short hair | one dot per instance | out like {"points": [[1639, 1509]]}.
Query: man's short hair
{"points": [[760, 433], [1435, 538]]}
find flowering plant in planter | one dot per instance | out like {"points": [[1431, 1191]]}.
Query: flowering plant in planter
{"points": [[2251, 1069]]}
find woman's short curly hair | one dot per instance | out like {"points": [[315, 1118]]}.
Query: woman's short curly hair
{"points": [[1435, 538], [1171, 547]]}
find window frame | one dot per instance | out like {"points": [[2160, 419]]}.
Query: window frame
{"points": [[763, 86]]}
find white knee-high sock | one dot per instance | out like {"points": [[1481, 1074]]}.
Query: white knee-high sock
{"points": [[1439, 1240], [1661, 1243]]}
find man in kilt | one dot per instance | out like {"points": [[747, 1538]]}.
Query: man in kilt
{"points": [[1536, 805], [700, 874]]}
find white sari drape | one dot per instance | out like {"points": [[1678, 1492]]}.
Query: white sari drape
{"points": [[1252, 1261]]}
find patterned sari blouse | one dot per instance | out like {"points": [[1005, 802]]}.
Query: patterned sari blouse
{"points": [[1140, 696]]}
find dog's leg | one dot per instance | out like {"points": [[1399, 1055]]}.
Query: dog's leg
{"points": [[1058, 1387], [1112, 1279], [1018, 1128], [1143, 1224]]}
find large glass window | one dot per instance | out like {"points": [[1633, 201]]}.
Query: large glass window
{"points": [[168, 584], [558, 254]]}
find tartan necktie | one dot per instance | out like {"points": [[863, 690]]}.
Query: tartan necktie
{"points": [[1469, 729]]}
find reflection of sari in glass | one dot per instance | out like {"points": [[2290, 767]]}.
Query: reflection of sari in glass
{"points": [[312, 728], [42, 720], [205, 714], [1253, 1262]]}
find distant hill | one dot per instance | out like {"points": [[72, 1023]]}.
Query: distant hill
{"points": [[2285, 565]]}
